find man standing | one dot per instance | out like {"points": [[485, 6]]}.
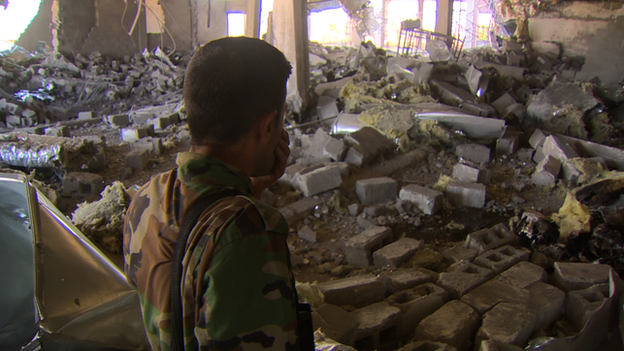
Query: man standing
{"points": [[237, 285]]}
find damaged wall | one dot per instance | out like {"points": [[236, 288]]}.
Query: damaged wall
{"points": [[589, 29], [39, 29]]}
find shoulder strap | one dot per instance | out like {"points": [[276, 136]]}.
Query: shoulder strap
{"points": [[188, 223]]}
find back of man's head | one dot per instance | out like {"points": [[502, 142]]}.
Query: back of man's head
{"points": [[231, 83]]}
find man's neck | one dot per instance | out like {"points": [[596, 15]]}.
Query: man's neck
{"points": [[235, 155]]}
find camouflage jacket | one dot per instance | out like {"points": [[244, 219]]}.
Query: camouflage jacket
{"points": [[238, 291]]}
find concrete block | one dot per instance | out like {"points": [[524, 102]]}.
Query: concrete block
{"points": [[415, 305], [358, 291], [82, 184], [97, 140], [359, 249], [307, 234], [403, 279], [375, 190], [582, 304], [503, 102], [507, 145], [28, 113], [577, 276], [488, 295], [318, 181], [523, 274], [13, 121], [395, 254], [98, 162], [473, 152], [547, 303], [458, 252], [502, 258], [334, 149], [299, 210], [159, 123], [469, 174], [140, 118], [85, 115], [174, 118], [539, 154], [375, 318], [537, 139], [466, 194], [546, 172], [327, 107], [454, 324], [138, 160], [427, 346], [354, 209], [525, 155], [61, 131], [559, 149], [120, 120], [153, 145], [366, 144], [336, 323], [463, 277], [130, 135], [507, 323], [429, 201], [489, 239], [493, 345]]}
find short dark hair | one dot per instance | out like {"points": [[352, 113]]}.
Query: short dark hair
{"points": [[230, 83]]}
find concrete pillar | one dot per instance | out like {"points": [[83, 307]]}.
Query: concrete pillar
{"points": [[444, 17], [252, 27], [290, 35]]}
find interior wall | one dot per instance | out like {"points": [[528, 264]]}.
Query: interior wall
{"points": [[178, 22], [74, 20], [214, 26], [39, 29]]}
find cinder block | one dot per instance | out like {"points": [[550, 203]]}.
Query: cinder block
{"points": [[318, 181], [459, 252], [489, 239], [61, 131], [159, 123], [525, 155], [415, 305], [547, 302], [523, 274], [466, 194], [582, 304], [13, 121], [427, 346], [359, 249], [502, 258], [537, 139], [336, 323], [429, 201], [463, 277], [539, 155], [366, 144], [577, 276], [138, 160], [507, 323], [454, 324], [334, 149], [488, 295], [375, 190], [547, 171], [375, 318], [130, 135], [85, 115], [492, 345], [507, 145], [469, 174], [153, 145], [358, 291], [559, 149], [120, 120], [82, 184], [473, 152], [299, 210], [327, 107], [307, 234], [395, 254], [403, 279]]}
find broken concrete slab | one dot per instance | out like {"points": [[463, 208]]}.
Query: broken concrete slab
{"points": [[454, 324], [582, 304], [560, 94], [403, 279], [516, 73], [366, 145], [488, 295], [473, 152], [358, 291], [502, 258], [463, 277], [429, 201], [375, 318], [507, 323], [336, 323], [415, 305], [359, 249], [395, 254], [570, 276], [466, 194], [459, 252], [546, 172], [327, 107], [523, 274], [546, 302], [376, 190]]}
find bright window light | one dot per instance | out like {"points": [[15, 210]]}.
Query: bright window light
{"points": [[430, 11], [266, 7], [15, 19], [330, 27], [235, 24], [398, 11]]}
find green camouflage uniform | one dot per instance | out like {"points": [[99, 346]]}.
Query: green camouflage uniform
{"points": [[238, 291]]}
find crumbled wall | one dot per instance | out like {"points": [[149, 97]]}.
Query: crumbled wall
{"points": [[74, 19]]}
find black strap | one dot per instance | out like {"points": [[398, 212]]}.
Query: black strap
{"points": [[188, 223]]}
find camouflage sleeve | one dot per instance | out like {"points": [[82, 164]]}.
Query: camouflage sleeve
{"points": [[249, 298]]}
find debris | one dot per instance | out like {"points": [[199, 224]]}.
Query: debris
{"points": [[573, 219]]}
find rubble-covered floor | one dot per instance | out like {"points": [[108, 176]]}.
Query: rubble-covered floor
{"points": [[410, 184]]}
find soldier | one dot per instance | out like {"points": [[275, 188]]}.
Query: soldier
{"points": [[237, 285]]}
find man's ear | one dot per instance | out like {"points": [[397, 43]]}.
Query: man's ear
{"points": [[266, 126]]}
